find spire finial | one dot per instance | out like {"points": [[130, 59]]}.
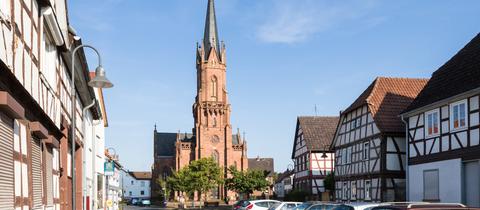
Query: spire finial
{"points": [[155, 126], [210, 37]]}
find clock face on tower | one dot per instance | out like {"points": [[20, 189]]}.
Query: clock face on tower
{"points": [[215, 139]]}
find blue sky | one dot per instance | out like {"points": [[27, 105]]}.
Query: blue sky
{"points": [[284, 57]]}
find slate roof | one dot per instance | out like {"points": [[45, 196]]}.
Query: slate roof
{"points": [[264, 164], [165, 143], [141, 175], [386, 98], [458, 75], [318, 131]]}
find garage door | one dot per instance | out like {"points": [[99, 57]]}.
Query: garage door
{"points": [[472, 183]]}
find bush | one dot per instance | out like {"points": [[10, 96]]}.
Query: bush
{"points": [[297, 195]]}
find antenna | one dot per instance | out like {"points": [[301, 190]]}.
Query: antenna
{"points": [[315, 110]]}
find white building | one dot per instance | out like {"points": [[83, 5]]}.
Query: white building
{"points": [[284, 184], [113, 185], [443, 133], [94, 153], [136, 185]]}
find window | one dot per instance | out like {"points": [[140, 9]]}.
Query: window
{"points": [[345, 191], [131, 182], [432, 123], [359, 122], [354, 190], [142, 192], [458, 116], [49, 59], [431, 185], [367, 190], [142, 184], [344, 156], [366, 151], [130, 193], [214, 88]]}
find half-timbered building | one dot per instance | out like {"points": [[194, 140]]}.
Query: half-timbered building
{"points": [[443, 132], [312, 155], [369, 142], [35, 101]]}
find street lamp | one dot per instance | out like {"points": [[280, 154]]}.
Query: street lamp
{"points": [[100, 81]]}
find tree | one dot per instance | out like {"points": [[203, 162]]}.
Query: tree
{"points": [[165, 188], [200, 176], [245, 182], [329, 183]]}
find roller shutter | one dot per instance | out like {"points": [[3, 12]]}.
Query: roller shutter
{"points": [[6, 163], [36, 173], [49, 176]]}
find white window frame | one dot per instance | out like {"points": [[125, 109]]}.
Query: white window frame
{"points": [[426, 127], [353, 190], [366, 151], [452, 115], [368, 186]]}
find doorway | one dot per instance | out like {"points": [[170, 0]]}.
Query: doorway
{"points": [[471, 183]]}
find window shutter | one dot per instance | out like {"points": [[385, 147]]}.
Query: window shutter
{"points": [[36, 173], [49, 176], [6, 164]]}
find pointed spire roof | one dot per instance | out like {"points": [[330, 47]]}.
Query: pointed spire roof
{"points": [[210, 37]]}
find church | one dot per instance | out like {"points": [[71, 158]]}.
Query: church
{"points": [[212, 132]]}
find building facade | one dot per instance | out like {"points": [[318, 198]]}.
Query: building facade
{"points": [[369, 142], [443, 133], [266, 165], [35, 101], [136, 184], [284, 184], [312, 155], [212, 132]]}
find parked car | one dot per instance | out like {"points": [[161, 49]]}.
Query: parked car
{"points": [[424, 206], [258, 204], [238, 205], [323, 206], [307, 204], [285, 206], [144, 202], [359, 206], [132, 201]]}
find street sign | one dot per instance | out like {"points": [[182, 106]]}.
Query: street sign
{"points": [[109, 168]]}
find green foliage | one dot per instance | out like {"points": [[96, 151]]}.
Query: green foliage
{"points": [[297, 195], [245, 182], [199, 176], [329, 182]]}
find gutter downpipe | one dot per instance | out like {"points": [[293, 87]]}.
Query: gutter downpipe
{"points": [[84, 164], [94, 166], [407, 149]]}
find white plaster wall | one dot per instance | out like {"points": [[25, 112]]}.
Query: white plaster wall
{"points": [[450, 179], [135, 188]]}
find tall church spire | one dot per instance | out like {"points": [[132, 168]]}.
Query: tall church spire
{"points": [[210, 37]]}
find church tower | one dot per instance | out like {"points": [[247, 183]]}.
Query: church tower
{"points": [[211, 110]]}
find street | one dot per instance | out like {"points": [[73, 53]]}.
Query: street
{"points": [[157, 208]]}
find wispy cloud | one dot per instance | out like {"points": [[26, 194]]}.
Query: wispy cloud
{"points": [[291, 21]]}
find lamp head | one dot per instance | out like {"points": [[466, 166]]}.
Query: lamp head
{"points": [[100, 80]]}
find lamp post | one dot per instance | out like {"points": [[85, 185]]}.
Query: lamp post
{"points": [[100, 81]]}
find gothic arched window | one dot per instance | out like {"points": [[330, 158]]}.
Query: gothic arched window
{"points": [[214, 87]]}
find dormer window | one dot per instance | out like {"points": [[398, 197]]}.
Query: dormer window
{"points": [[458, 116]]}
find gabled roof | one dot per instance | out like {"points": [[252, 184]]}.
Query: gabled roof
{"points": [[141, 175], [318, 131], [284, 175], [458, 75], [386, 98], [262, 164]]}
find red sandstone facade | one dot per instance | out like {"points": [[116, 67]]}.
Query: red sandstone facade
{"points": [[212, 133]]}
